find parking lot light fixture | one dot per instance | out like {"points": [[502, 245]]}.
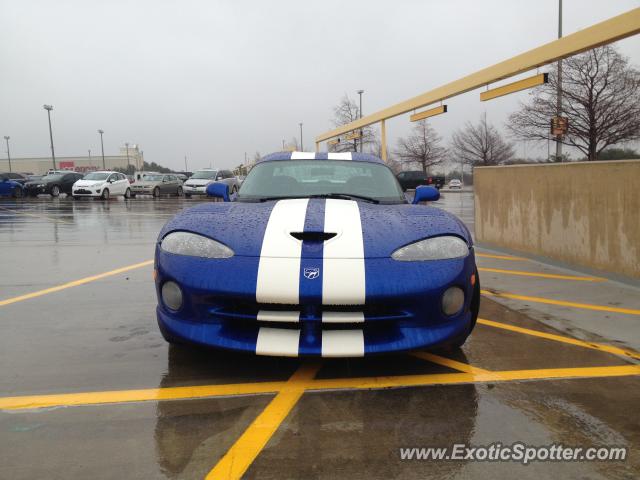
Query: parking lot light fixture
{"points": [[48, 108], [7, 137], [127, 146], [100, 131], [301, 144]]}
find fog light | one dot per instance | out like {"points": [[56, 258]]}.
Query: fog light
{"points": [[452, 300], [172, 295]]}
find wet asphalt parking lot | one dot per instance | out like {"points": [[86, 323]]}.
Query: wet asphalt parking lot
{"points": [[89, 389]]}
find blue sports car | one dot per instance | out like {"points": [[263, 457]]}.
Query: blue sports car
{"points": [[319, 254], [10, 187]]}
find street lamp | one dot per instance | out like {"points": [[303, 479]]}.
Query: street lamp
{"points": [[48, 108], [90, 164], [127, 145], [301, 144], [102, 146], [360, 92], [6, 137]]}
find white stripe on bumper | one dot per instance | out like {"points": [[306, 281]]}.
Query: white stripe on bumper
{"points": [[276, 316], [277, 342], [343, 276], [342, 317], [342, 343], [279, 267]]}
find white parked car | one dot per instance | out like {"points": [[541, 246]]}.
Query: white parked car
{"points": [[455, 183], [103, 185]]}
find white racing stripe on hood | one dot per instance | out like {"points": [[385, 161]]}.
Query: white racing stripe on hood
{"points": [[340, 156], [343, 275], [303, 155], [279, 267]]}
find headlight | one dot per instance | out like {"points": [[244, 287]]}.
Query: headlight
{"points": [[185, 243], [437, 248]]}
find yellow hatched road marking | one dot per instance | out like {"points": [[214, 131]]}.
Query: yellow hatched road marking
{"points": [[448, 362], [75, 283], [560, 338], [141, 395], [541, 275], [502, 257], [562, 303], [242, 454], [305, 382]]}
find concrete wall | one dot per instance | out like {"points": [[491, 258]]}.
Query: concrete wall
{"points": [[585, 213], [39, 166]]}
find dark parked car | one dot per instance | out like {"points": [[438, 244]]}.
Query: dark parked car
{"points": [[21, 178], [414, 178], [53, 185], [10, 187]]}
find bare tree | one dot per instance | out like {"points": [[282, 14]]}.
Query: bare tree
{"points": [[600, 97], [346, 112], [480, 144], [292, 144], [421, 147]]}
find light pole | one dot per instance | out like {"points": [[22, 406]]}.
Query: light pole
{"points": [[559, 87], [283, 144], [360, 92], [301, 144], [90, 164], [6, 137], [48, 108], [185, 165], [102, 146], [127, 145]]}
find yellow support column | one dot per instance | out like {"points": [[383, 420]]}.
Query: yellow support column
{"points": [[383, 136], [317, 147]]}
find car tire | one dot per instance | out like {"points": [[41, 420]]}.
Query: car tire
{"points": [[127, 194], [105, 194], [179, 191], [234, 190], [17, 193], [187, 195], [76, 197], [156, 192], [55, 191], [459, 341], [133, 195]]}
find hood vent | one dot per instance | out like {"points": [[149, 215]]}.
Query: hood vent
{"points": [[313, 236]]}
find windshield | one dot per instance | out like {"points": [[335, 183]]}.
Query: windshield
{"points": [[96, 176], [152, 178], [305, 178], [205, 174]]}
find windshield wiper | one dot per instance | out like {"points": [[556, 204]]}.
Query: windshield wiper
{"points": [[343, 196]]}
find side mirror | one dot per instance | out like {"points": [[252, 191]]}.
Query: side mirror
{"points": [[426, 193], [218, 190]]}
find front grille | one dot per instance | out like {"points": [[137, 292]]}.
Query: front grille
{"points": [[82, 191]]}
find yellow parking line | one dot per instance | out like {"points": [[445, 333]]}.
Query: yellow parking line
{"points": [[448, 362], [562, 303], [142, 395], [502, 257], [242, 454], [541, 275], [75, 283], [560, 338], [52, 219], [369, 383], [304, 381]]}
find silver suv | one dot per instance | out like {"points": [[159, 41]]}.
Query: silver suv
{"points": [[197, 184]]}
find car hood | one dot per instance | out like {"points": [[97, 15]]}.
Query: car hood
{"points": [[88, 183], [198, 182], [361, 229]]}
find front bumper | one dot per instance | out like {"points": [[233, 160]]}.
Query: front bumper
{"points": [[402, 310], [188, 189]]}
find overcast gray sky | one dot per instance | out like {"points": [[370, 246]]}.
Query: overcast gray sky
{"points": [[213, 79]]}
